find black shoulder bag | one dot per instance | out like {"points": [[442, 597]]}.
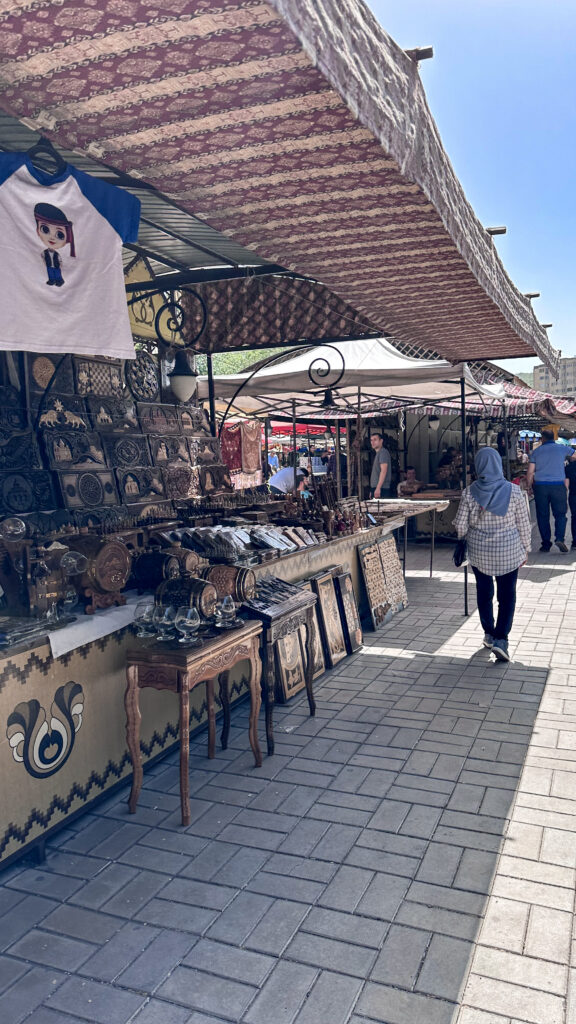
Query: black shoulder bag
{"points": [[460, 552]]}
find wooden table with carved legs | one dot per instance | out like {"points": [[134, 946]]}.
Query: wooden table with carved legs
{"points": [[178, 668]]}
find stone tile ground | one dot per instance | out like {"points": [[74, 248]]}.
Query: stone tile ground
{"points": [[407, 856]]}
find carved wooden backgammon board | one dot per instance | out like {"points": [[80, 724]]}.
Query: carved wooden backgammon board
{"points": [[88, 489], [329, 618], [181, 482], [140, 484], [143, 377], [61, 412], [348, 611], [378, 599], [158, 419], [19, 452], [98, 376], [125, 452], [68, 450], [111, 414], [50, 371], [169, 451], [30, 491]]}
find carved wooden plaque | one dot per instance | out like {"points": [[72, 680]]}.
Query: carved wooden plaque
{"points": [[98, 376], [123, 452], [88, 489], [214, 478], [158, 419], [41, 373], [348, 612], [62, 412], [375, 583], [31, 491], [319, 664], [204, 451], [181, 482], [329, 618], [110, 414], [193, 420], [68, 450], [291, 665], [140, 483], [143, 377], [12, 414], [19, 452], [169, 451], [392, 568]]}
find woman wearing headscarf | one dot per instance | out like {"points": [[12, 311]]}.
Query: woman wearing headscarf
{"points": [[493, 516]]}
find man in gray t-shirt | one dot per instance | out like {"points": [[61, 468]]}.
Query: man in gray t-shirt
{"points": [[380, 476]]}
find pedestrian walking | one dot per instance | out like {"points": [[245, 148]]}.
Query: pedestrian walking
{"points": [[571, 478], [493, 516], [547, 476]]}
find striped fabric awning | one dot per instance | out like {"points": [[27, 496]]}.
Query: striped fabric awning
{"points": [[298, 128]]}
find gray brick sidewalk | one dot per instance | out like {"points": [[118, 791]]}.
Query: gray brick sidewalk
{"points": [[406, 857]]}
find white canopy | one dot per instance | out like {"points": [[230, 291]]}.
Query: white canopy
{"points": [[372, 365]]}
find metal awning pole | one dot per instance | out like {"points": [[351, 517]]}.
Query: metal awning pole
{"points": [[266, 473], [359, 445], [349, 456], [211, 396], [506, 442], [338, 466], [464, 472], [294, 442]]}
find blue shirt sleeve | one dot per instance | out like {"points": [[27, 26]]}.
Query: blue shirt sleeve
{"points": [[120, 208], [9, 163]]}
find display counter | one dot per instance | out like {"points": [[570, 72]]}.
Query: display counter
{"points": [[63, 740]]}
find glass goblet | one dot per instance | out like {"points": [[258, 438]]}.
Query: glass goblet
{"points": [[163, 619], [187, 623], [143, 617]]}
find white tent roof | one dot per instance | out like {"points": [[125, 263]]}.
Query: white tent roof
{"points": [[373, 365]]}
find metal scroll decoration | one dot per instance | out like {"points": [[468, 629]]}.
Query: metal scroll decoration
{"points": [[320, 368], [171, 318], [44, 745]]}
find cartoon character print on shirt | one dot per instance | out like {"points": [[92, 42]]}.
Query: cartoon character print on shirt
{"points": [[54, 231]]}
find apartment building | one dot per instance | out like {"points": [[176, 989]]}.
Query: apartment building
{"points": [[564, 384]]}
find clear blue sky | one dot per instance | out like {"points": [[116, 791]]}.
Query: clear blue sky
{"points": [[502, 89]]}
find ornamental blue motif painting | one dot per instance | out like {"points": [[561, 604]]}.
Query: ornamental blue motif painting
{"points": [[42, 744]]}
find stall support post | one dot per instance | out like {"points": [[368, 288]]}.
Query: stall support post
{"points": [[294, 445], [211, 397], [359, 445], [266, 472], [337, 455], [349, 457], [464, 473], [506, 442]]}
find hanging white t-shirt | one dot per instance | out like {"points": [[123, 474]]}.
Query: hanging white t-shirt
{"points": [[61, 276]]}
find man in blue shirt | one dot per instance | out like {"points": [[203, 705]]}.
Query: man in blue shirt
{"points": [[547, 474]]}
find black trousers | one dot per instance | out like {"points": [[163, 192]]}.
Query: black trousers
{"points": [[506, 596]]}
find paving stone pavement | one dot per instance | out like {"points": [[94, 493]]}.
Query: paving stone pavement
{"points": [[407, 856]]}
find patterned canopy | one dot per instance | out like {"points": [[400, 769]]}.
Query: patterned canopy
{"points": [[298, 128]]}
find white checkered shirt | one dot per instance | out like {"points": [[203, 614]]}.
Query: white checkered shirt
{"points": [[496, 544]]}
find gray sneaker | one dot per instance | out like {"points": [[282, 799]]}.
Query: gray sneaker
{"points": [[500, 649], [488, 640], [561, 545]]}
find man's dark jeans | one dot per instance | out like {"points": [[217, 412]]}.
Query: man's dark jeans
{"points": [[506, 594], [552, 496]]}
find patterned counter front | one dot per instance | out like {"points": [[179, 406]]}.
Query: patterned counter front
{"points": [[63, 739], [62, 732]]}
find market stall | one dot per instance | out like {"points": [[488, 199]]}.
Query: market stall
{"points": [[112, 480]]}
